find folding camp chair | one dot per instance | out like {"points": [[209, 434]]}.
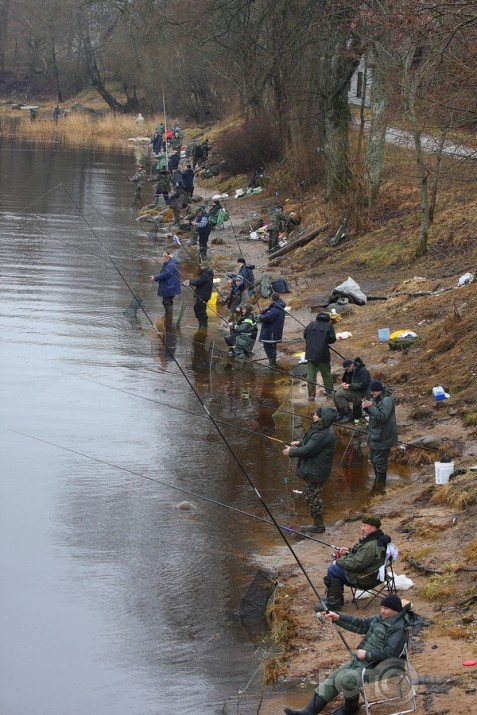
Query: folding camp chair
{"points": [[391, 683], [377, 584]]}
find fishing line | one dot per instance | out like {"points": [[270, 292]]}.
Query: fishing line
{"points": [[188, 492], [220, 433], [346, 427]]}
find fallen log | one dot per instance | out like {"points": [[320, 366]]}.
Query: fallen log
{"points": [[299, 242]]}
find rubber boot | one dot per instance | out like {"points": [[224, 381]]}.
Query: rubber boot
{"points": [[357, 412], [203, 323], [334, 596], [272, 362], [168, 309], [380, 476], [315, 706], [350, 705], [316, 528]]}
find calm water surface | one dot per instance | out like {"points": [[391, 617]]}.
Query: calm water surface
{"points": [[112, 599]]}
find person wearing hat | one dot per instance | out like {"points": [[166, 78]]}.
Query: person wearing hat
{"points": [[272, 320], [163, 186], [243, 333], [319, 335], [315, 460], [360, 563], [169, 282], [202, 226], [383, 431], [354, 387], [203, 286], [384, 638], [139, 178]]}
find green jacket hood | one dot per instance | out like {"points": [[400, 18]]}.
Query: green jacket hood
{"points": [[328, 416]]}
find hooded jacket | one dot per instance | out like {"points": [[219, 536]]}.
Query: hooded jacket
{"points": [[272, 320], [246, 271], [169, 279], [384, 637], [203, 285], [365, 558], [319, 334], [316, 451], [383, 431]]}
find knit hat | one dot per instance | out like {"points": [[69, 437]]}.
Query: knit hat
{"points": [[393, 602], [376, 386], [347, 362], [371, 520]]}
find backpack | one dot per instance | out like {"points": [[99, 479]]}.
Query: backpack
{"points": [[280, 286]]}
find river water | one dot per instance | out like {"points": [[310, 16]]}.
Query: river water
{"points": [[112, 598]]}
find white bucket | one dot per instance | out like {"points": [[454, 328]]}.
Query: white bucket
{"points": [[443, 471], [383, 335]]}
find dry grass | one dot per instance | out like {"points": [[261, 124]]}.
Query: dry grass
{"points": [[440, 588], [470, 551], [459, 493]]}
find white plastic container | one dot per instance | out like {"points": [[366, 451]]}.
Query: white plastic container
{"points": [[383, 335], [439, 393], [443, 471]]}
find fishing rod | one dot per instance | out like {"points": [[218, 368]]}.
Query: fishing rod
{"points": [[221, 435], [350, 428], [174, 487]]}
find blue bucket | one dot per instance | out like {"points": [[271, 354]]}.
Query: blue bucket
{"points": [[383, 335]]}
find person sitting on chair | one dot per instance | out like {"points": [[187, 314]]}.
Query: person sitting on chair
{"points": [[384, 639], [360, 564], [354, 387]]}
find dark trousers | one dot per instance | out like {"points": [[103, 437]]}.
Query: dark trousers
{"points": [[203, 240], [270, 350], [200, 310]]}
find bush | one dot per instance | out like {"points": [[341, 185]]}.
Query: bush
{"points": [[255, 144]]}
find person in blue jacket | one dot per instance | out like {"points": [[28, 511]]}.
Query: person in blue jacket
{"points": [[169, 282], [272, 320]]}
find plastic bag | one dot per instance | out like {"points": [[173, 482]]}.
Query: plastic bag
{"points": [[351, 288]]}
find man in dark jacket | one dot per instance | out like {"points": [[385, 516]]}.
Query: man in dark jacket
{"points": [[169, 282], [360, 563], [319, 335], [246, 271], [272, 320], [315, 459], [203, 286], [203, 230], [188, 180], [377, 654], [354, 387], [383, 431]]}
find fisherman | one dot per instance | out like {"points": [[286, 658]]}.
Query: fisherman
{"points": [[319, 335], [169, 282], [360, 563], [163, 186], [384, 639], [315, 455], [276, 218], [176, 202], [56, 114], [236, 296], [214, 212], [188, 180], [354, 387], [174, 161], [382, 431], [203, 287], [203, 230], [272, 320], [246, 271], [176, 141], [138, 179], [243, 333]]}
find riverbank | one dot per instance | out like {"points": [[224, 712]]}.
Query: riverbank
{"points": [[432, 525]]}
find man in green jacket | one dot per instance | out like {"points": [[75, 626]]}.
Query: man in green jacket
{"points": [[315, 459], [377, 653], [360, 563], [383, 431]]}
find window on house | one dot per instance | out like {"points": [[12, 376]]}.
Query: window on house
{"points": [[359, 84]]}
